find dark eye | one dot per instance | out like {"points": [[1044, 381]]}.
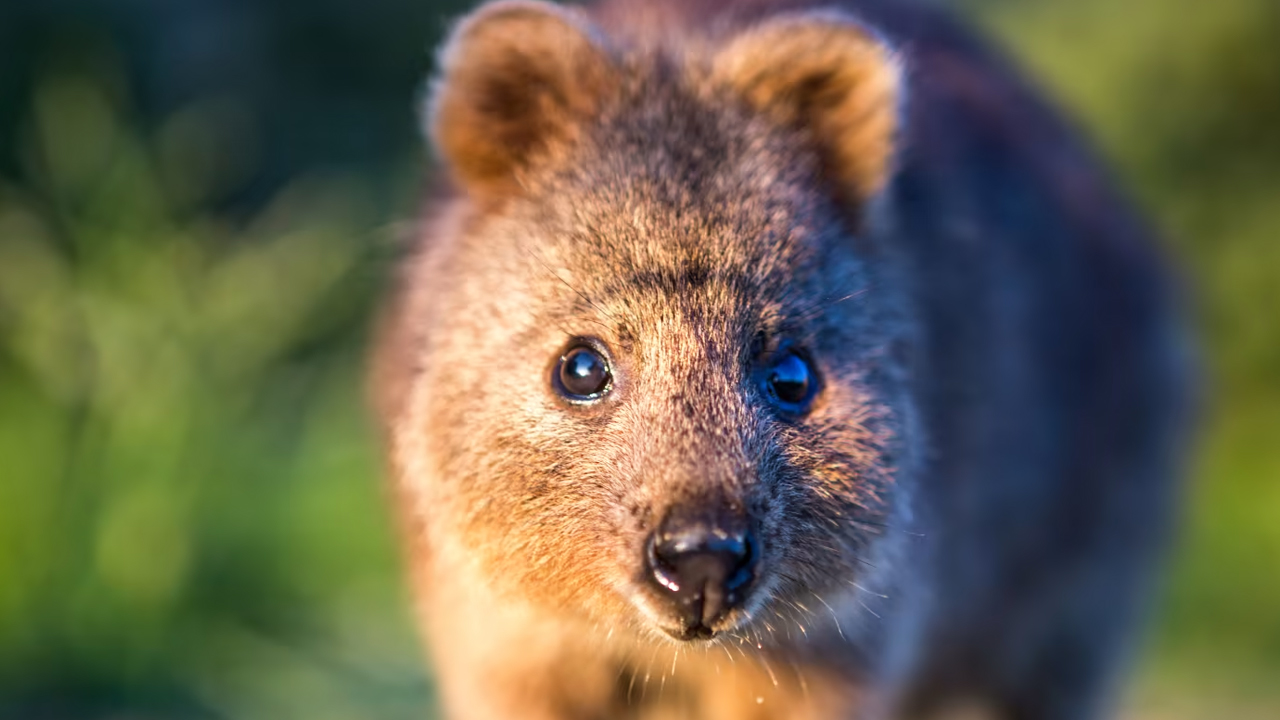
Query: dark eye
{"points": [[582, 374], [790, 382]]}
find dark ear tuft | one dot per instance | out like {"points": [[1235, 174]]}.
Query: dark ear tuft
{"points": [[831, 75], [517, 79]]}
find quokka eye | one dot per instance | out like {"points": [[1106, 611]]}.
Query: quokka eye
{"points": [[582, 374], [791, 382]]}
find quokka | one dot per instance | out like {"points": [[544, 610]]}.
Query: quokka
{"points": [[772, 360]]}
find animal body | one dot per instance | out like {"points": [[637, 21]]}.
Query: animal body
{"points": [[771, 360]]}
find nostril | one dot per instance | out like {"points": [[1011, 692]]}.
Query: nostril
{"points": [[661, 565], [744, 560], [723, 554]]}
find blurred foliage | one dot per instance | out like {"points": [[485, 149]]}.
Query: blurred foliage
{"points": [[321, 82], [194, 208], [188, 518]]}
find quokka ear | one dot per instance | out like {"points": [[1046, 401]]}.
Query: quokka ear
{"points": [[518, 79], [831, 75]]}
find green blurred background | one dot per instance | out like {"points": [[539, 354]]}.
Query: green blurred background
{"points": [[198, 200]]}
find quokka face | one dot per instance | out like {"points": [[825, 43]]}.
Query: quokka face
{"points": [[659, 382]]}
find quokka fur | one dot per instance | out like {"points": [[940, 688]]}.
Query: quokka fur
{"points": [[966, 511]]}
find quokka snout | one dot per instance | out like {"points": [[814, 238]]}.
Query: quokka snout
{"points": [[727, 345]]}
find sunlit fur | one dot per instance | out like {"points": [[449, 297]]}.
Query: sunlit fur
{"points": [[694, 200]]}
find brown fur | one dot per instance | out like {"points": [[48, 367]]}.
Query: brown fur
{"points": [[695, 187], [829, 77], [516, 83]]}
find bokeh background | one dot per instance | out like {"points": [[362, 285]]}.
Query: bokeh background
{"points": [[198, 201]]}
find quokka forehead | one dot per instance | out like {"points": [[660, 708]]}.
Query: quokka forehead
{"points": [[745, 289], [779, 293], [616, 232], [702, 317]]}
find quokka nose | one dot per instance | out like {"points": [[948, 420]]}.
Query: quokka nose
{"points": [[703, 569]]}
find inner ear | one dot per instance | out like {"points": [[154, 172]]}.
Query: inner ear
{"points": [[831, 76], [518, 81]]}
